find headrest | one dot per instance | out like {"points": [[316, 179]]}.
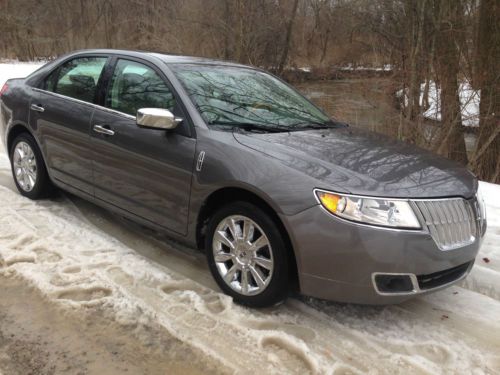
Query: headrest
{"points": [[82, 80], [132, 79]]}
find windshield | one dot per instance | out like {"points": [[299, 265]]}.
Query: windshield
{"points": [[241, 96]]}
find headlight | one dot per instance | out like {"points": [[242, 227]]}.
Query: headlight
{"points": [[367, 210]]}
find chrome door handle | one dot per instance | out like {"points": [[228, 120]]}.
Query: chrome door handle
{"points": [[37, 108], [103, 130]]}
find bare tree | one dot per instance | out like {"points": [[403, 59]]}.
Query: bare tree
{"points": [[288, 38], [486, 159], [448, 23]]}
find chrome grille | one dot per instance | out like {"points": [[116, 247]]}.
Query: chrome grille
{"points": [[451, 222]]}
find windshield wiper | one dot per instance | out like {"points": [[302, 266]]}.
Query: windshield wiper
{"points": [[320, 125], [249, 126]]}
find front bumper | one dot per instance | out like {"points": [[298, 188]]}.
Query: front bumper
{"points": [[337, 260]]}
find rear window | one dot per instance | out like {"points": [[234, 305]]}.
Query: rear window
{"points": [[77, 78]]}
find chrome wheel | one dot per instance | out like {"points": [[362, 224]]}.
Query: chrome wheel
{"points": [[25, 168], [243, 255]]}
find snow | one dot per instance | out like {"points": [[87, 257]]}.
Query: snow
{"points": [[469, 103], [83, 259], [351, 68], [17, 70]]}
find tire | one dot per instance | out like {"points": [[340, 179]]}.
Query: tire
{"points": [[266, 280], [29, 173]]}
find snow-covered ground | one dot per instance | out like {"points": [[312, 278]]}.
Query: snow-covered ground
{"points": [[351, 67], [85, 260], [16, 70]]}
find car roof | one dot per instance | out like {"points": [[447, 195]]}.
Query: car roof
{"points": [[154, 57], [168, 58]]}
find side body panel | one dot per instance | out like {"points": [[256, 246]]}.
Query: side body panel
{"points": [[14, 108], [63, 131], [144, 171]]}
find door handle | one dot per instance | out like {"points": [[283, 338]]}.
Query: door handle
{"points": [[38, 108], [103, 129]]}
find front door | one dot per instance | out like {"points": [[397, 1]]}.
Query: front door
{"points": [[144, 171]]}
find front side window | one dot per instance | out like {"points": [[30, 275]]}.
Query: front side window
{"points": [[135, 86], [77, 78], [241, 96]]}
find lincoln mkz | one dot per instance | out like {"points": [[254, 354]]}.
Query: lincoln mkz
{"points": [[231, 160]]}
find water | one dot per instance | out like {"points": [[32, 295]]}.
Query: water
{"points": [[368, 103], [363, 103]]}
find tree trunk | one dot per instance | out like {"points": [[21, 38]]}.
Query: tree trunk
{"points": [[417, 18], [487, 163], [451, 142], [288, 38], [227, 30]]}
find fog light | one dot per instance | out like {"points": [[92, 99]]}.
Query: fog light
{"points": [[394, 283]]}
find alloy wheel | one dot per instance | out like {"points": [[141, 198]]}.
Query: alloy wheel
{"points": [[243, 255], [25, 168]]}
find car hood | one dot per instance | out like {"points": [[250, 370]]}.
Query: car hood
{"points": [[354, 161]]}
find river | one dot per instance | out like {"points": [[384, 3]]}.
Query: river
{"points": [[365, 102]]}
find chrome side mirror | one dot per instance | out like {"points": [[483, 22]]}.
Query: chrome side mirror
{"points": [[157, 118]]}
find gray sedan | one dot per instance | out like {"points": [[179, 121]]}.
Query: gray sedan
{"points": [[232, 160]]}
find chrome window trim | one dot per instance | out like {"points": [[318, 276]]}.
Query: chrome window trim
{"points": [[85, 103]]}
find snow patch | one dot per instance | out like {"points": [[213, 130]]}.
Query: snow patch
{"points": [[17, 70], [361, 68], [469, 103]]}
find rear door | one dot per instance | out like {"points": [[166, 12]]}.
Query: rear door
{"points": [[61, 109], [144, 171]]}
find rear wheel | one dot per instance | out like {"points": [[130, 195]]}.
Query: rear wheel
{"points": [[247, 255], [28, 168]]}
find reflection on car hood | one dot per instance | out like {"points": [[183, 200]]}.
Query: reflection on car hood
{"points": [[366, 163]]}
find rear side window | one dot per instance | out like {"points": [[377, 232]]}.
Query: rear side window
{"points": [[135, 86], [77, 78]]}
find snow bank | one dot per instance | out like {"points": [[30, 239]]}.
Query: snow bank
{"points": [[84, 259]]}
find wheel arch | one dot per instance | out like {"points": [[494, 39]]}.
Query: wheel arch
{"points": [[14, 131], [20, 128], [227, 195]]}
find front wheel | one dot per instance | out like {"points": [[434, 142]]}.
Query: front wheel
{"points": [[247, 255]]}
